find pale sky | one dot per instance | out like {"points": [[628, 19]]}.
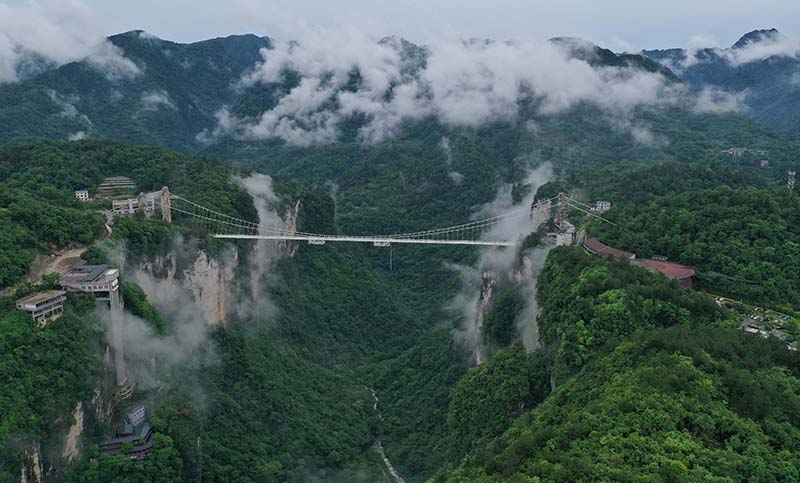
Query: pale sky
{"points": [[617, 24]]}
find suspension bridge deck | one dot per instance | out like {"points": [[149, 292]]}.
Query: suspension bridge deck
{"points": [[474, 233], [381, 242]]}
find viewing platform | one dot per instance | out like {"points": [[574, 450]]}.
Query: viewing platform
{"points": [[43, 306], [95, 279]]}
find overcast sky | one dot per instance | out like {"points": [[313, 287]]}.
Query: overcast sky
{"points": [[618, 24]]}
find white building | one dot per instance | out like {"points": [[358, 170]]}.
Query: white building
{"points": [[125, 207], [145, 202], [95, 279], [137, 415], [43, 306], [601, 206], [82, 195], [560, 239]]}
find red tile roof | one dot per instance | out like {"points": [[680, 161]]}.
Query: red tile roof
{"points": [[595, 246], [670, 269]]}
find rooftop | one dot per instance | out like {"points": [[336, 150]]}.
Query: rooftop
{"points": [[83, 272], [116, 180], [137, 433], [670, 269], [596, 246], [40, 297]]}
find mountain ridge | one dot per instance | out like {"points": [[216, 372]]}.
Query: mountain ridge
{"points": [[762, 67], [180, 89]]}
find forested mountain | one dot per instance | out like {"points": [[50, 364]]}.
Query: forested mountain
{"points": [[763, 67], [293, 362], [233, 100], [295, 375], [166, 96], [682, 401]]}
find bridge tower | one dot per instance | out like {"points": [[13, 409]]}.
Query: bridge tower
{"points": [[562, 213], [166, 205], [540, 213]]}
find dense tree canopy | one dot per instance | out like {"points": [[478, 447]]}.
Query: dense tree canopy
{"points": [[739, 231], [678, 404], [44, 373]]}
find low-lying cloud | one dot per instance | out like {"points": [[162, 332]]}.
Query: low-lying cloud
{"points": [[69, 110], [495, 265], [264, 253], [456, 177], [43, 34], [157, 99], [794, 80], [460, 83], [770, 44]]}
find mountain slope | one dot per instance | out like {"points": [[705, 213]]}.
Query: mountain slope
{"points": [[763, 66], [659, 390], [671, 405], [174, 96]]}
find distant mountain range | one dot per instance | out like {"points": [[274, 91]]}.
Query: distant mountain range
{"points": [[173, 97], [763, 66], [197, 97]]}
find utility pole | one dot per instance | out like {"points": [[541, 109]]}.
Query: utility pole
{"points": [[790, 182]]}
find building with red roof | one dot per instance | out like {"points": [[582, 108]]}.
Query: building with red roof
{"points": [[596, 247], [683, 274]]}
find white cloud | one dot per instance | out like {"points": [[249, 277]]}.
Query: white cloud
{"points": [[496, 264], [148, 36], [461, 84], [696, 44], [714, 100], [795, 79], [456, 177], [768, 45], [56, 32], [154, 100], [702, 42], [68, 108], [77, 136], [110, 60]]}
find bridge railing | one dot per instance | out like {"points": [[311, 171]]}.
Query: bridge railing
{"points": [[477, 232]]}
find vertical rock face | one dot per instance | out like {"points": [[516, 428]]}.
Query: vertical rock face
{"points": [[264, 253], [289, 248], [527, 276], [210, 282], [488, 282], [72, 446], [207, 280], [524, 275], [163, 267], [103, 406], [32, 470]]}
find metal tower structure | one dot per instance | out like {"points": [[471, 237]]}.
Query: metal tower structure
{"points": [[562, 212]]}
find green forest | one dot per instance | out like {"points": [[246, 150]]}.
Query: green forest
{"points": [[736, 225], [292, 362], [667, 394], [636, 378]]}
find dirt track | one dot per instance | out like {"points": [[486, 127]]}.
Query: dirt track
{"points": [[59, 262]]}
